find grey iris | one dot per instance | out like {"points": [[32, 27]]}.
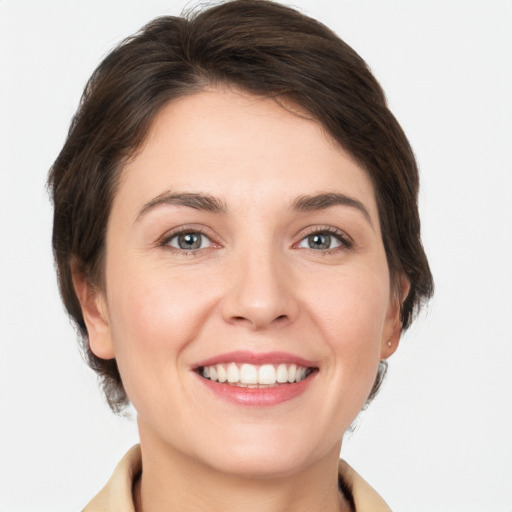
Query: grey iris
{"points": [[319, 241], [189, 241]]}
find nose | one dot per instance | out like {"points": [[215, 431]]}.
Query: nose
{"points": [[260, 293]]}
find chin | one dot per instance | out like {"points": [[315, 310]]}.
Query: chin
{"points": [[263, 458], [258, 467]]}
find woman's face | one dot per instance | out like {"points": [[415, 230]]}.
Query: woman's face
{"points": [[244, 243]]}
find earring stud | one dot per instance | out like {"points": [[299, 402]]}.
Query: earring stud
{"points": [[389, 343]]}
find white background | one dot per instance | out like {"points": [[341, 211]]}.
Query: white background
{"points": [[439, 437]]}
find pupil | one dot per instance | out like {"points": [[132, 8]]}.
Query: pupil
{"points": [[319, 241], [189, 241]]}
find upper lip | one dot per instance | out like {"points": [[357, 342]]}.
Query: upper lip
{"points": [[255, 358]]}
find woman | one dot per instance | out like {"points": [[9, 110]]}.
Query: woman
{"points": [[237, 238]]}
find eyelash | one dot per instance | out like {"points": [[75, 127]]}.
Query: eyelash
{"points": [[345, 241], [166, 240]]}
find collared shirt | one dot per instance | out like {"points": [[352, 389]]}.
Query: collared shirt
{"points": [[117, 494]]}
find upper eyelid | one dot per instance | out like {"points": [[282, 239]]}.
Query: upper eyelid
{"points": [[187, 228], [165, 239], [164, 242], [216, 239], [325, 229], [167, 243], [346, 242]]}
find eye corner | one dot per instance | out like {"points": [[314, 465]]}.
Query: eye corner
{"points": [[326, 238], [185, 240]]}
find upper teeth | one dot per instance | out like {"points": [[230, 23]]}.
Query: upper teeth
{"points": [[249, 374]]}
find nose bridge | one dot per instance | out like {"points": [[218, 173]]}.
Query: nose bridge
{"points": [[260, 293]]}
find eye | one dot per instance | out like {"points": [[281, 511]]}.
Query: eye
{"points": [[189, 241], [323, 241]]}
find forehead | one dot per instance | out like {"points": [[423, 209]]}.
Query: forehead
{"points": [[234, 145]]}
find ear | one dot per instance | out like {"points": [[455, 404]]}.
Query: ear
{"points": [[95, 313], [393, 324]]}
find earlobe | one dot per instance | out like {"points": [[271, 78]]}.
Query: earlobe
{"points": [[390, 341], [393, 328], [95, 313]]}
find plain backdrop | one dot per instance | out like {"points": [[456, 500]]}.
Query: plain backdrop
{"points": [[439, 436]]}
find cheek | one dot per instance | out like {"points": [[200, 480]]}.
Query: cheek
{"points": [[351, 317], [353, 307], [153, 320], [154, 315]]}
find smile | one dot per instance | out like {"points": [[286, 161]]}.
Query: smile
{"points": [[255, 376], [253, 379]]}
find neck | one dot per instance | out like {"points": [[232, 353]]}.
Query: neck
{"points": [[171, 480]]}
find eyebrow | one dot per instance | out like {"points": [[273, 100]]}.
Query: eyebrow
{"points": [[323, 201], [202, 202], [208, 203]]}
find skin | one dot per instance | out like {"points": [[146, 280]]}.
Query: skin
{"points": [[256, 284]]}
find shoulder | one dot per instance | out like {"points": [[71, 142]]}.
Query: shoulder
{"points": [[116, 496], [365, 497]]}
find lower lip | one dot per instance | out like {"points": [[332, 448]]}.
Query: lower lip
{"points": [[259, 397]]}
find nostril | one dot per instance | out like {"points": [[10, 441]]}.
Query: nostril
{"points": [[242, 319]]}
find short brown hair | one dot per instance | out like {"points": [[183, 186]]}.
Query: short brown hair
{"points": [[263, 48]]}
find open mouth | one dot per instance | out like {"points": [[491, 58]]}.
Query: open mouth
{"points": [[248, 375]]}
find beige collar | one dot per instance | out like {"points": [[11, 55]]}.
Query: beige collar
{"points": [[116, 496]]}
